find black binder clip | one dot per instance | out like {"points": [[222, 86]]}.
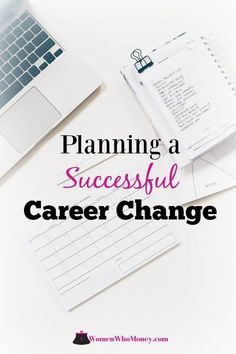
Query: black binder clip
{"points": [[142, 63]]}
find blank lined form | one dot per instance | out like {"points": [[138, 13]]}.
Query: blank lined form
{"points": [[83, 257]]}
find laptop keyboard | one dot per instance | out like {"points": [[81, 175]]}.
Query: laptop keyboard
{"points": [[26, 50]]}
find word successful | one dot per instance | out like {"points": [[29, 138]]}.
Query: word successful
{"points": [[148, 182]]}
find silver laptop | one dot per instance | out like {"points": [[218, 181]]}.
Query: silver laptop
{"points": [[42, 79]]}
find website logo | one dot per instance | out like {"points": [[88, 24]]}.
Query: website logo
{"points": [[82, 338]]}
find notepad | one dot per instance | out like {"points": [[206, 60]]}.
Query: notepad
{"points": [[81, 258], [193, 94], [215, 170]]}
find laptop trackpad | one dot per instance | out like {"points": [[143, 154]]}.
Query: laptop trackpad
{"points": [[28, 119]]}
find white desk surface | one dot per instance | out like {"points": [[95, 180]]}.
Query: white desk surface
{"points": [[187, 294]]}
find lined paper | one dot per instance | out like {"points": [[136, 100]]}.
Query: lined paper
{"points": [[81, 258]]}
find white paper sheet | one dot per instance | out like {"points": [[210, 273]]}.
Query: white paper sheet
{"points": [[209, 174], [81, 258], [194, 95]]}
